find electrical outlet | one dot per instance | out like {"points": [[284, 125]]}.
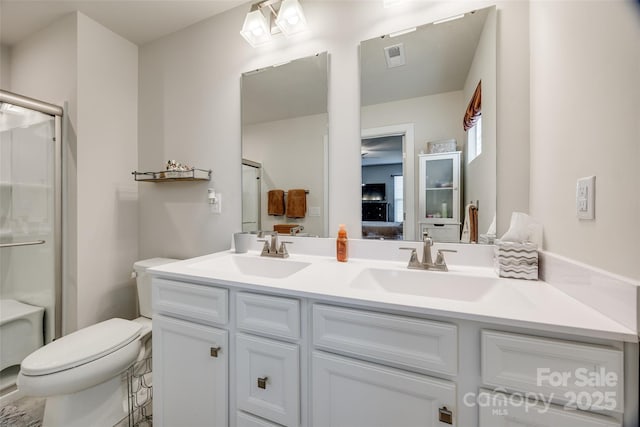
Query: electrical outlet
{"points": [[586, 197]]}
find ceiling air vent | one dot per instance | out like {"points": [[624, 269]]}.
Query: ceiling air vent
{"points": [[394, 55]]}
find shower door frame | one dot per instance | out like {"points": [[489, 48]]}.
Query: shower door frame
{"points": [[57, 113]]}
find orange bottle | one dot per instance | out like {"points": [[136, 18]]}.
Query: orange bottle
{"points": [[342, 245]]}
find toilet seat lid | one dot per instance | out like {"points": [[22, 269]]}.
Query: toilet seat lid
{"points": [[80, 347]]}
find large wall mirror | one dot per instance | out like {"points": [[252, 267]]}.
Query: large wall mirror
{"points": [[285, 148], [427, 163]]}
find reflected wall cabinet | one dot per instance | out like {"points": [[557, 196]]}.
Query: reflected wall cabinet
{"points": [[439, 196]]}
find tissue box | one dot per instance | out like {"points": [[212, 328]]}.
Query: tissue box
{"points": [[516, 260]]}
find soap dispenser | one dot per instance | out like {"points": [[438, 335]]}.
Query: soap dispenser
{"points": [[342, 244]]}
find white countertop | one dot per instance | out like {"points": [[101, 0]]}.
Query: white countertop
{"points": [[521, 303]]}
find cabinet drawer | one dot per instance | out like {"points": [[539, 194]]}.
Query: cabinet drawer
{"points": [[397, 340], [246, 420], [504, 410], [352, 393], [448, 233], [268, 379], [267, 314], [560, 369], [200, 303]]}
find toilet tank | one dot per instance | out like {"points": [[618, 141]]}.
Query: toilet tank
{"points": [[143, 282]]}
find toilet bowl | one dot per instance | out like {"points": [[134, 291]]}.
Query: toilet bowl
{"points": [[80, 374]]}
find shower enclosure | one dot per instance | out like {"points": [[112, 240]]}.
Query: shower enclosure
{"points": [[30, 230]]}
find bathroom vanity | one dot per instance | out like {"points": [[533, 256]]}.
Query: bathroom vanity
{"points": [[244, 340]]}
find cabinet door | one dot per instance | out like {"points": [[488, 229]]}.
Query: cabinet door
{"points": [[351, 393], [439, 188], [268, 379], [190, 365], [502, 410]]}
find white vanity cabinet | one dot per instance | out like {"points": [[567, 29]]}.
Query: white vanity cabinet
{"points": [[268, 357], [190, 371], [507, 410], [231, 355], [352, 393], [549, 382], [190, 355], [373, 391]]}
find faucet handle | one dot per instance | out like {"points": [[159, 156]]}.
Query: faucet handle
{"points": [[283, 249], [265, 248], [413, 260], [440, 261]]}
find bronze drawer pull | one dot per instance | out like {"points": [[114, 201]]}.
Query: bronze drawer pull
{"points": [[445, 415], [262, 382], [214, 351]]}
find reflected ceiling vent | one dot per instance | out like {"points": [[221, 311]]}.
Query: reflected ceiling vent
{"points": [[394, 55]]}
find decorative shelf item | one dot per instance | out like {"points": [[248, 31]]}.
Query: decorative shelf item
{"points": [[193, 174]]}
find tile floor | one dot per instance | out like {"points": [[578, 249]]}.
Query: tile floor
{"points": [[25, 412]]}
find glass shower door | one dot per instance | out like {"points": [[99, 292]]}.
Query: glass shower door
{"points": [[28, 246], [251, 195]]}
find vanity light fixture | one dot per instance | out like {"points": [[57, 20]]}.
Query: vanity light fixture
{"points": [[290, 18], [256, 29], [287, 15]]}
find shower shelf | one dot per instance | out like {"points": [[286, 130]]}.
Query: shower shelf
{"points": [[167, 176]]}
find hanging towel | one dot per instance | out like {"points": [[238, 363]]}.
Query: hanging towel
{"points": [[296, 203], [466, 227], [473, 224], [275, 204], [283, 228]]}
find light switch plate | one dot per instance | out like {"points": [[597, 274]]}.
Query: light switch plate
{"points": [[314, 211], [216, 208], [586, 198]]}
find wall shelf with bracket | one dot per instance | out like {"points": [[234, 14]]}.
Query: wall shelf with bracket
{"points": [[169, 176]]}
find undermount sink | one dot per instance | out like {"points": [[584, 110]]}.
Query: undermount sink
{"points": [[424, 283], [251, 265]]}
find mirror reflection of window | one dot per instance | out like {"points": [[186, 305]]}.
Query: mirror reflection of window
{"points": [[398, 198]]}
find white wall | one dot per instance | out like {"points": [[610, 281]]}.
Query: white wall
{"points": [[5, 68], [107, 154], [480, 174], [585, 107], [291, 152], [190, 111], [76, 60]]}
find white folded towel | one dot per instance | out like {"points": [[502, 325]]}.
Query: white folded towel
{"points": [[466, 227]]}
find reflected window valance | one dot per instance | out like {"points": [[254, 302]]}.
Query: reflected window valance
{"points": [[474, 109]]}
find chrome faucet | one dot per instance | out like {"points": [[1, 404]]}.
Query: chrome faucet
{"points": [[427, 262], [271, 247]]}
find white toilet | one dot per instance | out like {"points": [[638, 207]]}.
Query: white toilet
{"points": [[80, 373]]}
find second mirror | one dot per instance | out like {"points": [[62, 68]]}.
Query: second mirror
{"points": [[285, 148]]}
